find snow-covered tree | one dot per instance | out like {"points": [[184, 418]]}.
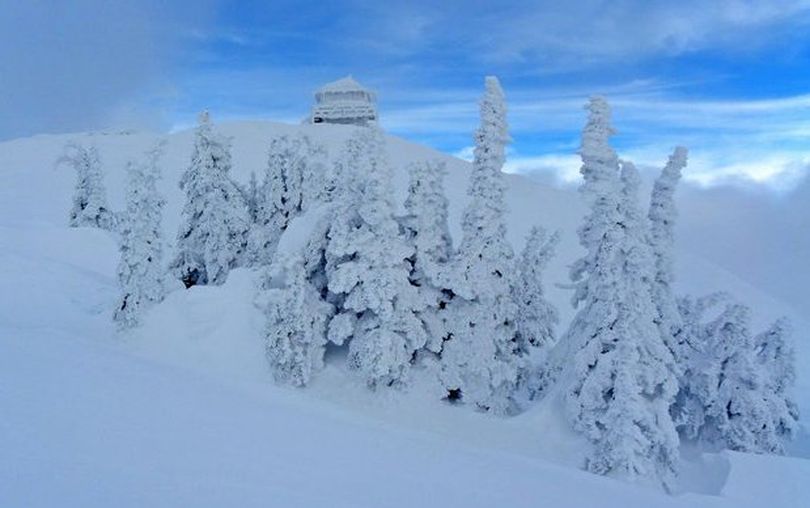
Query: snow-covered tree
{"points": [[479, 359], [368, 270], [292, 181], [140, 271], [736, 411], [314, 187], [250, 195], [595, 277], [90, 197], [426, 219], [335, 176], [735, 393], [662, 215], [600, 231], [537, 317], [776, 360], [213, 235], [425, 227], [618, 376], [639, 436], [689, 409], [296, 327]]}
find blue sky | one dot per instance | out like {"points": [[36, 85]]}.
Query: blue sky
{"points": [[729, 79]]}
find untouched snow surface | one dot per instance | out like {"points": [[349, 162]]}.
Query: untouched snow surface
{"points": [[183, 411]]}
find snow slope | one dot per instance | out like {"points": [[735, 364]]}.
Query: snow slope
{"points": [[183, 411]]}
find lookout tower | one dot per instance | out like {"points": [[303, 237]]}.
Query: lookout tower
{"points": [[344, 101]]}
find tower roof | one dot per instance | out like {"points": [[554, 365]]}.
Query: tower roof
{"points": [[342, 85]]}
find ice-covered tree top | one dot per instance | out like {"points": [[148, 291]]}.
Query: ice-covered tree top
{"points": [[487, 182], [599, 160], [663, 206], [484, 248], [662, 216]]}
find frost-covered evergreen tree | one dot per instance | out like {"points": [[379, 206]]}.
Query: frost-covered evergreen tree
{"points": [[479, 359], [90, 197], [314, 187], [213, 235], [736, 386], [689, 410], [291, 182], [736, 411], [140, 271], [662, 215], [537, 317], [368, 271], [618, 376], [296, 327], [639, 436], [595, 277], [426, 219], [599, 234], [250, 196], [425, 226], [776, 360]]}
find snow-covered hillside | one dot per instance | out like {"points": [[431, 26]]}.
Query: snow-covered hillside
{"points": [[183, 410]]}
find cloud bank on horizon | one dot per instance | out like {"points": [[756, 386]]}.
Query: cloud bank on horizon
{"points": [[728, 78]]}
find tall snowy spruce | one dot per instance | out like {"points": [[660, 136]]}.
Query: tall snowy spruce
{"points": [[480, 361], [736, 392], [426, 229], [662, 215], [617, 374], [213, 236], [291, 182], [90, 197], [368, 270], [140, 270]]}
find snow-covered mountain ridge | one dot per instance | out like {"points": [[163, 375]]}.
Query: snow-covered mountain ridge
{"points": [[62, 285]]}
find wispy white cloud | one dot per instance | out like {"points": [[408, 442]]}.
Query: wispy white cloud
{"points": [[777, 172], [594, 30], [572, 34]]}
